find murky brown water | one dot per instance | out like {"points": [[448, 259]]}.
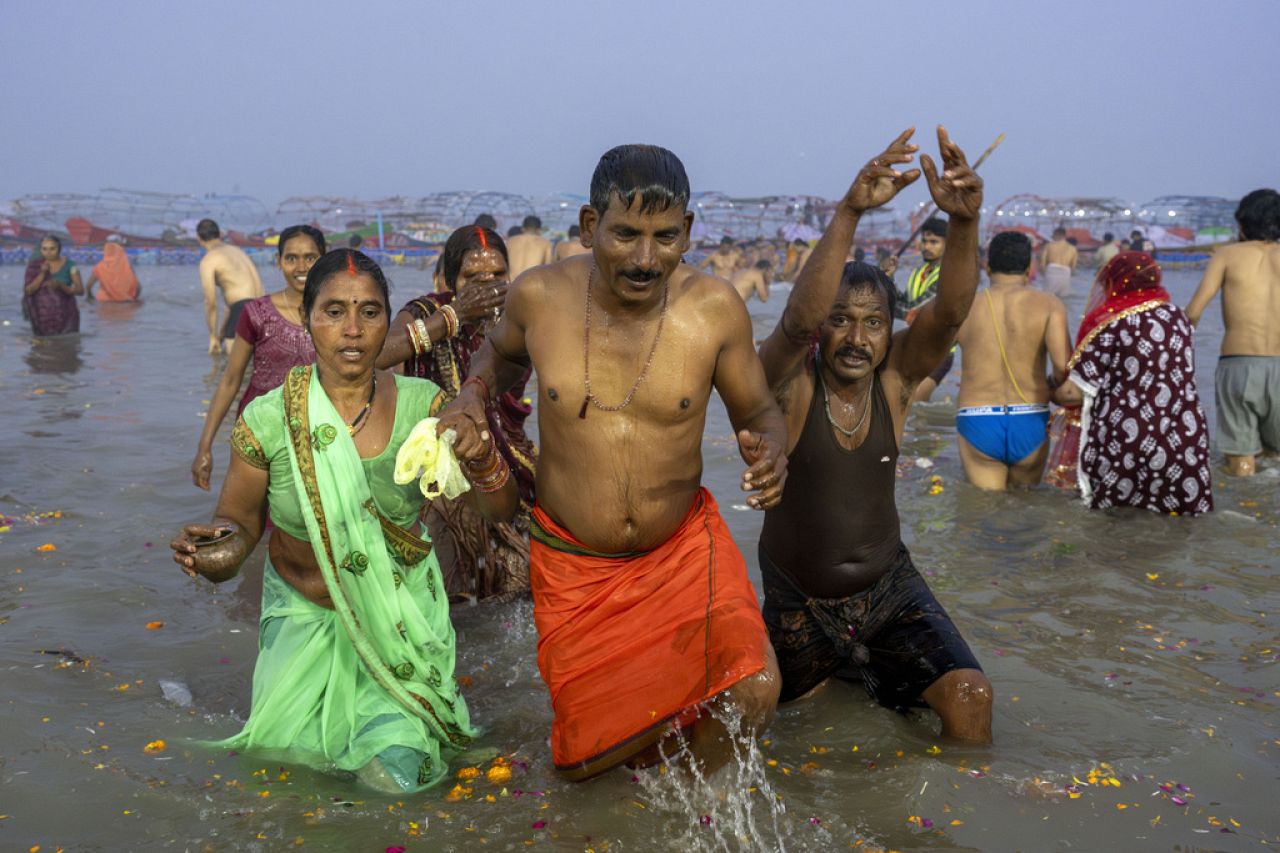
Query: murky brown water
{"points": [[1132, 647]]}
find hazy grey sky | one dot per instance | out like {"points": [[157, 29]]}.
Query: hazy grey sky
{"points": [[275, 99]]}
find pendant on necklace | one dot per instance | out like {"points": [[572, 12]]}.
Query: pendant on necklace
{"points": [[582, 413]]}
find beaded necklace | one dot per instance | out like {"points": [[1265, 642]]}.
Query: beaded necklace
{"points": [[358, 424], [586, 356], [826, 405]]}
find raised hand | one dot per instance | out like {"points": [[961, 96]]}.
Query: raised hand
{"points": [[480, 300], [767, 471], [879, 181], [958, 190]]}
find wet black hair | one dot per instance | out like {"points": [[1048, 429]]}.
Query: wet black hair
{"points": [[292, 231], [532, 222], [863, 276], [1259, 215], [799, 242], [934, 225], [207, 229], [1107, 237], [355, 241], [860, 275], [1009, 252], [514, 230], [762, 264], [859, 255], [56, 240], [468, 238], [342, 261], [726, 240], [653, 173], [486, 220], [575, 231]]}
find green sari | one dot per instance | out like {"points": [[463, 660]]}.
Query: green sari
{"points": [[373, 677]]}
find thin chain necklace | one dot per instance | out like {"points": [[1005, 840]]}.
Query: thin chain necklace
{"points": [[586, 356], [826, 405], [363, 417]]}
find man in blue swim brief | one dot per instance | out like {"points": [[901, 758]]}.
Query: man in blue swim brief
{"points": [[1006, 434], [1006, 342]]}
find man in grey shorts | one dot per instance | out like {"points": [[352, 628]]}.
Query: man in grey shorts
{"points": [[1248, 375]]}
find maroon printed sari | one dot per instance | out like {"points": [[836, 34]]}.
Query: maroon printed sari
{"points": [[51, 310], [1140, 438], [479, 559]]}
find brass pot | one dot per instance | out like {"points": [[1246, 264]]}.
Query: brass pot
{"points": [[218, 557]]}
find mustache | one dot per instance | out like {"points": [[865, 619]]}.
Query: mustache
{"points": [[848, 350], [638, 274]]}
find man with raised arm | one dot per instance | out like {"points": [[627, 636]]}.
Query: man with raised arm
{"points": [[1004, 392], [227, 268], [841, 594], [1247, 382], [645, 616]]}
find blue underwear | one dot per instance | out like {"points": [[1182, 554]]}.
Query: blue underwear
{"points": [[1007, 434]]}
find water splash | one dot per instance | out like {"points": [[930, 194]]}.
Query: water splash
{"points": [[733, 809]]}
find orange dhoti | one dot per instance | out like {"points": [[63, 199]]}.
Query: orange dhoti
{"points": [[627, 642]]}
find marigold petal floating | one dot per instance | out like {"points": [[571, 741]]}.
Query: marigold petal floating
{"points": [[155, 746], [48, 546], [155, 626]]}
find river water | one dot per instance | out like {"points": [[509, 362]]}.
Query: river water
{"points": [[1133, 656]]}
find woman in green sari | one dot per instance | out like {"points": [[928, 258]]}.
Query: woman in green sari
{"points": [[356, 651]]}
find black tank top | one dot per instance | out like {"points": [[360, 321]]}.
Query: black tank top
{"points": [[836, 530]]}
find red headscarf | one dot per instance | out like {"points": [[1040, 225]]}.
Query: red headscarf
{"points": [[1128, 279]]}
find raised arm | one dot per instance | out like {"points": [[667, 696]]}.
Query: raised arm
{"points": [[783, 352], [760, 426], [1214, 275], [958, 193]]}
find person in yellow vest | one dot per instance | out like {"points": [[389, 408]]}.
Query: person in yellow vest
{"points": [[922, 285]]}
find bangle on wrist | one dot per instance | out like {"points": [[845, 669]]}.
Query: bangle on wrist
{"points": [[450, 320], [424, 337], [484, 387]]}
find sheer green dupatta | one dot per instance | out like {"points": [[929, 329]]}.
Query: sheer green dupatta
{"points": [[388, 601]]}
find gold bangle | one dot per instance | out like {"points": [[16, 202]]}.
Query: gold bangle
{"points": [[414, 343], [423, 336], [450, 319]]}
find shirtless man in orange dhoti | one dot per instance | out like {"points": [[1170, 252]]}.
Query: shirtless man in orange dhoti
{"points": [[645, 616]]}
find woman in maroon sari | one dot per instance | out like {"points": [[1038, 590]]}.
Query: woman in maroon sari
{"points": [[49, 291], [270, 335], [1142, 437], [434, 337]]}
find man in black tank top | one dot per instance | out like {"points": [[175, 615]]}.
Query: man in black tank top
{"points": [[841, 595]]}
